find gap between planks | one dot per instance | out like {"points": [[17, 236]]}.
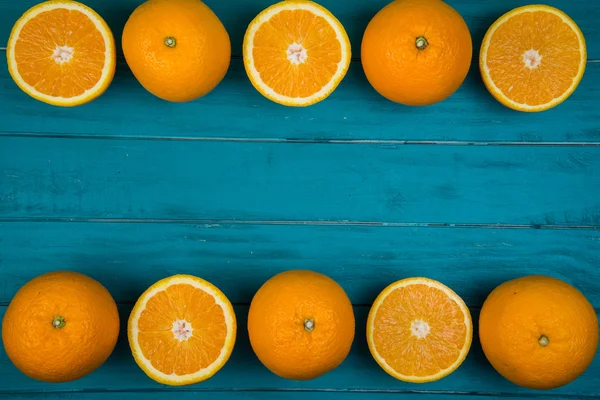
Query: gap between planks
{"points": [[381, 142], [213, 222], [306, 390]]}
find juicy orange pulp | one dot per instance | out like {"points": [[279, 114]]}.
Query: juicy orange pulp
{"points": [[534, 56], [62, 53], [296, 53], [64, 61], [419, 332], [181, 310], [182, 330]]}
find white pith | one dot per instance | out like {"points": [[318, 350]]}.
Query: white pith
{"points": [[134, 331], [296, 53], [63, 54], [433, 284], [100, 26], [532, 59], [182, 330], [486, 44], [420, 329], [316, 10]]}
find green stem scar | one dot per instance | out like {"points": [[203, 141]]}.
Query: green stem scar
{"points": [[309, 325], [544, 341], [421, 43], [58, 322], [170, 42]]}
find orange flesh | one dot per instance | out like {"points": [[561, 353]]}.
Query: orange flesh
{"points": [[555, 41], [271, 43], [182, 302], [38, 41], [401, 349]]}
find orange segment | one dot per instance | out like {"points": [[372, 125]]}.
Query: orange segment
{"points": [[419, 330], [182, 330], [533, 58], [61, 53], [296, 53]]}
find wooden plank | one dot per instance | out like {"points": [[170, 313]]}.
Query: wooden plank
{"points": [[195, 393], [50, 177], [244, 372], [353, 112], [353, 14], [127, 258]]}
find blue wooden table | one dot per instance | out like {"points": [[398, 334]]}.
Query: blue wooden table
{"points": [[233, 188]]}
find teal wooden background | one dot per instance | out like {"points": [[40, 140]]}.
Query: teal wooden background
{"points": [[234, 188]]}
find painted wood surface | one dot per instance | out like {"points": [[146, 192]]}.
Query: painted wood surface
{"points": [[470, 116], [265, 395], [128, 257], [297, 182], [233, 188], [238, 257]]}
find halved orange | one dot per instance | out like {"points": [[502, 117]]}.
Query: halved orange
{"points": [[62, 53], [296, 53], [419, 330], [182, 330], [532, 58]]}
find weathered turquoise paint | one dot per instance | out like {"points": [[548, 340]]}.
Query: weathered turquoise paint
{"points": [[127, 256], [354, 112], [130, 189], [527, 185]]}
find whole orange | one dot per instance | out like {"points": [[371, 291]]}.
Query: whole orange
{"points": [[177, 49], [538, 332], [60, 327], [417, 52], [301, 324]]}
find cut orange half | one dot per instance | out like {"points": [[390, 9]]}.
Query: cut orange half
{"points": [[296, 53], [61, 53], [419, 330], [182, 330], [532, 58]]}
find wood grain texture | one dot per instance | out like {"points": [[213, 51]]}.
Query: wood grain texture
{"points": [[244, 372], [238, 258], [195, 393], [49, 177], [353, 14], [234, 188], [354, 112]]}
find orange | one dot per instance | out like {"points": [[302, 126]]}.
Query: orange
{"points": [[419, 330], [61, 53], [177, 49], [296, 53], [301, 324], [538, 332], [60, 327], [416, 52], [182, 330], [532, 58]]}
